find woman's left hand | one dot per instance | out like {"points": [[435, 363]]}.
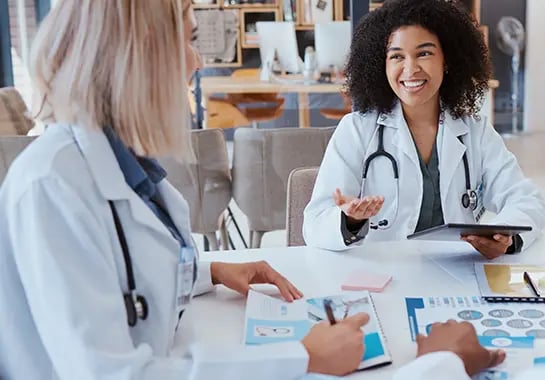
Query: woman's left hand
{"points": [[490, 247], [239, 277]]}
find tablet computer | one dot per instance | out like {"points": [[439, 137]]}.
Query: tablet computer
{"points": [[453, 231]]}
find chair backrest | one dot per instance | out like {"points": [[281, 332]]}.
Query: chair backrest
{"points": [[262, 162], [300, 185], [13, 113], [205, 183], [10, 147]]}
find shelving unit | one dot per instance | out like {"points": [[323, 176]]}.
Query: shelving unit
{"points": [[272, 10], [276, 10], [248, 17]]}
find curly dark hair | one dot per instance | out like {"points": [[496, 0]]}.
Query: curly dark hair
{"points": [[466, 55]]}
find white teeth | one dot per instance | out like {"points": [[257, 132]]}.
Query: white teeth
{"points": [[416, 83]]}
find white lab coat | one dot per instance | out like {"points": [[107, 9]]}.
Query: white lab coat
{"points": [[448, 366], [506, 191], [62, 278], [62, 275]]}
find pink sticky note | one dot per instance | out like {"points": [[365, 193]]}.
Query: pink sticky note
{"points": [[373, 282]]}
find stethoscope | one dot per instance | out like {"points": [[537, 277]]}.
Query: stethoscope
{"points": [[469, 197], [135, 304]]}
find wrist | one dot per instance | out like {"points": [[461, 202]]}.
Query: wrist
{"points": [[350, 221], [311, 367], [516, 246], [215, 269]]}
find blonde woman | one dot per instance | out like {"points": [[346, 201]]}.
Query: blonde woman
{"points": [[96, 260]]}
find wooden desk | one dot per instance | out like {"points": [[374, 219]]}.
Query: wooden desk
{"points": [[229, 85]]}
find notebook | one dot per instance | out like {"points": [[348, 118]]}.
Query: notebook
{"points": [[373, 282], [507, 283], [271, 320]]}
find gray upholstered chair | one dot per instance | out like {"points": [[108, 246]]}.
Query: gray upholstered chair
{"points": [[10, 147], [262, 162], [300, 185], [205, 184]]}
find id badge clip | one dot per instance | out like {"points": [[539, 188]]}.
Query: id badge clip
{"points": [[480, 209], [185, 277]]}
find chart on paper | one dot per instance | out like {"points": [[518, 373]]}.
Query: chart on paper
{"points": [[490, 319]]}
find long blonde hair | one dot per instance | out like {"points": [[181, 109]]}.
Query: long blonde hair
{"points": [[117, 63]]}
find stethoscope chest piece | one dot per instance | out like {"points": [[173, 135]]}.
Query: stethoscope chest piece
{"points": [[469, 199], [137, 308]]}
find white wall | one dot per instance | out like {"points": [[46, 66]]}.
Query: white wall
{"points": [[534, 86]]}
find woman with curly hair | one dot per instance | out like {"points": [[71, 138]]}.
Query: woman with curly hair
{"points": [[415, 153]]}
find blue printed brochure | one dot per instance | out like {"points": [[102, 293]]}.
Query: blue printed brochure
{"points": [[517, 328], [519, 356], [270, 320]]}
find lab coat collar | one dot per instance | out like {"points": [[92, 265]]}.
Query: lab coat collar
{"points": [[450, 146], [402, 136], [110, 180], [456, 127], [102, 163], [452, 149], [394, 118]]}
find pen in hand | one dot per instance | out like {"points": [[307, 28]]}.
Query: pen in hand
{"points": [[529, 281], [329, 312]]}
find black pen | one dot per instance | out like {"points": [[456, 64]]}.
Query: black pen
{"points": [[529, 281], [329, 312]]}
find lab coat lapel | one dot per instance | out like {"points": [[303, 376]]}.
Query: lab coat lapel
{"points": [[451, 151], [402, 138], [178, 210], [109, 178]]}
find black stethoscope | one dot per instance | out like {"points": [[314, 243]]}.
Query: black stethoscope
{"points": [[135, 304], [469, 198]]}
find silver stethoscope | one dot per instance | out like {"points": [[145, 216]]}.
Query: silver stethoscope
{"points": [[135, 304], [469, 197]]}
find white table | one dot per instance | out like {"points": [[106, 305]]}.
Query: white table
{"points": [[418, 269]]}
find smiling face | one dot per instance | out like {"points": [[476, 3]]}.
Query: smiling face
{"points": [[415, 66]]}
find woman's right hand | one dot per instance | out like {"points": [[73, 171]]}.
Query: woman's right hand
{"points": [[356, 209], [336, 350]]}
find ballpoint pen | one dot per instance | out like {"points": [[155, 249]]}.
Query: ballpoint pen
{"points": [[530, 282], [329, 312]]}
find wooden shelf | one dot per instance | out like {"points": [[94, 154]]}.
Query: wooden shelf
{"points": [[205, 6], [304, 27], [235, 6], [249, 6], [253, 14]]}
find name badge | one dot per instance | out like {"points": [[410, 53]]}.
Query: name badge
{"points": [[185, 277], [479, 211]]}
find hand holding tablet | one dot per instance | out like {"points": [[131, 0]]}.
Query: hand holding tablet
{"points": [[454, 231]]}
